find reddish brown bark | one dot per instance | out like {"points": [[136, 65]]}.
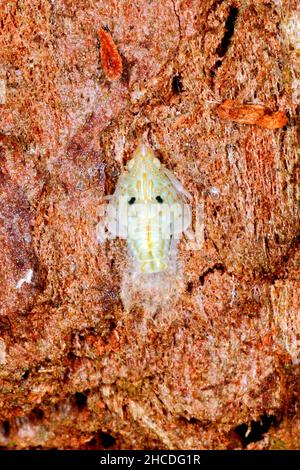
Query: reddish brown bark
{"points": [[76, 369]]}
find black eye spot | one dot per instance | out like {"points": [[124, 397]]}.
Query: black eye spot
{"points": [[159, 199], [131, 200]]}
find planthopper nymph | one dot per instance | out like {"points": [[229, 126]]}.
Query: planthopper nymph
{"points": [[150, 209]]}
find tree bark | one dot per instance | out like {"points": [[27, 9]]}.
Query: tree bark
{"points": [[219, 369]]}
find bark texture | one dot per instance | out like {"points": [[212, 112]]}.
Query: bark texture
{"points": [[76, 370]]}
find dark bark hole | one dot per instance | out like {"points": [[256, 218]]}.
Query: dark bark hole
{"points": [[81, 400], [71, 356], [4, 324], [189, 287], [107, 440], [177, 86], [257, 430], [193, 421], [102, 440], [5, 428], [215, 213], [229, 30], [214, 68], [37, 413], [112, 325], [26, 374], [216, 267]]}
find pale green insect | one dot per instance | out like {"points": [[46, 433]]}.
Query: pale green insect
{"points": [[149, 208]]}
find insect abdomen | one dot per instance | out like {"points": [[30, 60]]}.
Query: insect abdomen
{"points": [[151, 252]]}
